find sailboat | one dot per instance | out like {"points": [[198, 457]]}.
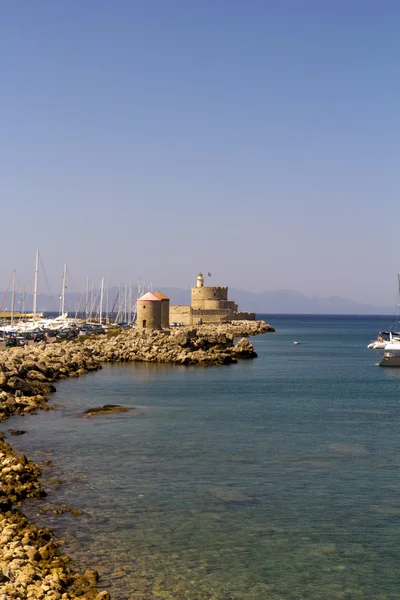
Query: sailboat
{"points": [[389, 341], [392, 334], [36, 322]]}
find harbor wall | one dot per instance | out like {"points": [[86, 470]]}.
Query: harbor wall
{"points": [[180, 313]]}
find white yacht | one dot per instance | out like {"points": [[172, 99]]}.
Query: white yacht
{"points": [[387, 337], [384, 337]]}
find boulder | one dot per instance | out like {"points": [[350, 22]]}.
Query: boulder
{"points": [[3, 380], [180, 339], [22, 385], [36, 376], [244, 349]]}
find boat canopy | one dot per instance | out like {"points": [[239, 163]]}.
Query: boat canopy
{"points": [[396, 333]]}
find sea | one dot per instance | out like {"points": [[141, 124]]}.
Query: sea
{"points": [[273, 479]]}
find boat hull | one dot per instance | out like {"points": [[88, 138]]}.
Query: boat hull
{"points": [[390, 360]]}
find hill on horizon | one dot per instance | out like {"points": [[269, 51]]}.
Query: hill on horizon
{"points": [[271, 302]]}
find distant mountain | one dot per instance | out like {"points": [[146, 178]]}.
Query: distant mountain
{"points": [[287, 301], [278, 302], [292, 302]]}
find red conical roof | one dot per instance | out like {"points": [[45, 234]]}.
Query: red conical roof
{"points": [[161, 296]]}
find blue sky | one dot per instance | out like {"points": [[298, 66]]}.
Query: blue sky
{"points": [[256, 140]]}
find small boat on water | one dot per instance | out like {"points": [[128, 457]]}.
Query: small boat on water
{"points": [[389, 341], [296, 343]]}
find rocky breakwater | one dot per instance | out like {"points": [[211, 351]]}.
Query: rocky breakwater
{"points": [[238, 328], [186, 346]]}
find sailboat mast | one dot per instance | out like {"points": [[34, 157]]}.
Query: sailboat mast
{"points": [[35, 284], [87, 298], [130, 302], [63, 287], [107, 294], [119, 315], [91, 302], [126, 304], [13, 298], [23, 309], [101, 300]]}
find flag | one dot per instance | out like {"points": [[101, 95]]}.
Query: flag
{"points": [[209, 274]]}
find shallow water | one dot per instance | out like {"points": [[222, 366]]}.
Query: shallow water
{"points": [[277, 478]]}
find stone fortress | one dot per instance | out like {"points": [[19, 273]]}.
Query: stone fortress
{"points": [[209, 304]]}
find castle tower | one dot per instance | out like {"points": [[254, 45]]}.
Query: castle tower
{"points": [[200, 280], [148, 312], [209, 304], [164, 309], [211, 298]]}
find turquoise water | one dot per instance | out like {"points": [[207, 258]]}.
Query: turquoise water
{"points": [[277, 478]]}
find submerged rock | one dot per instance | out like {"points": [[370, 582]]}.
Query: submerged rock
{"points": [[106, 409]]}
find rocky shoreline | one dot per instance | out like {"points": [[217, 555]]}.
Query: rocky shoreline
{"points": [[31, 565], [205, 345], [30, 561]]}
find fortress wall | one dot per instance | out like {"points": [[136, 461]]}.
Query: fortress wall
{"points": [[215, 305], [208, 293], [180, 313], [209, 316], [228, 304], [208, 305]]}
